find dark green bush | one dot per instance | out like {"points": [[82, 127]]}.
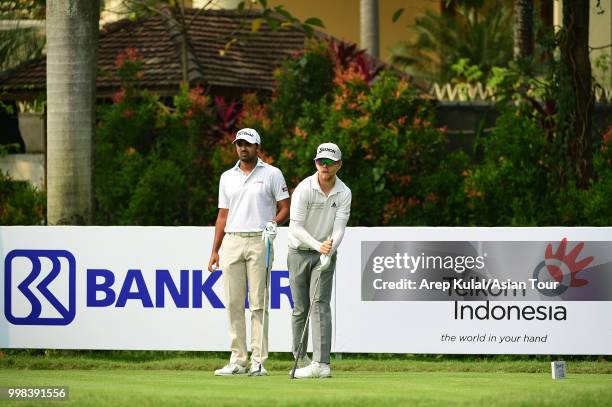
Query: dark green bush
{"points": [[153, 162], [306, 77], [159, 164], [395, 162], [20, 203], [526, 176], [511, 186]]}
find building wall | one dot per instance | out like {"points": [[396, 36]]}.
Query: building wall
{"points": [[341, 18], [600, 35], [25, 167]]}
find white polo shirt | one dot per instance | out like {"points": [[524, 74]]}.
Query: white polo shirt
{"points": [[251, 199], [317, 211]]}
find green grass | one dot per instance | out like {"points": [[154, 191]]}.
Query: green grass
{"points": [[141, 378], [135, 387], [208, 361]]}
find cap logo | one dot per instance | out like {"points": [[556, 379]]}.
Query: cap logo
{"points": [[331, 150], [246, 133]]}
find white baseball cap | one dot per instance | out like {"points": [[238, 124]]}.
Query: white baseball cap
{"points": [[248, 135], [329, 150]]}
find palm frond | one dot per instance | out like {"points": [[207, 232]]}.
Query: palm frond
{"points": [[484, 36]]}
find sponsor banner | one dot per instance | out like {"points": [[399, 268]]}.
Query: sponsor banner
{"points": [[397, 290], [123, 288], [390, 296]]}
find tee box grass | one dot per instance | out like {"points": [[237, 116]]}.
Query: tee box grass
{"points": [[189, 381]]}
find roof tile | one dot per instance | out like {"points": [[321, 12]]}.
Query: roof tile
{"points": [[249, 63]]}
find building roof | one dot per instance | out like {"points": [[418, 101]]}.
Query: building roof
{"points": [[248, 64]]}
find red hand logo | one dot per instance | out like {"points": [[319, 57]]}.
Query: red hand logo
{"points": [[569, 260]]}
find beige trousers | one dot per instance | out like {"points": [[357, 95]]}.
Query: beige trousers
{"points": [[243, 264]]}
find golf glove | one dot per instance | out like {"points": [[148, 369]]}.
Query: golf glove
{"points": [[269, 233], [325, 261]]}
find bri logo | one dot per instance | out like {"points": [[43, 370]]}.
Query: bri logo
{"points": [[40, 288], [63, 267]]}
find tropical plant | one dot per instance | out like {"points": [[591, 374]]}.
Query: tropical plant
{"points": [[391, 151], [481, 34], [21, 203], [154, 162], [20, 39]]}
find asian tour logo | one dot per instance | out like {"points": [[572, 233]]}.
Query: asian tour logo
{"points": [[562, 267], [22, 297]]}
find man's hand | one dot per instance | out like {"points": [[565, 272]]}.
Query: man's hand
{"points": [[214, 261], [269, 233], [326, 246], [325, 261]]}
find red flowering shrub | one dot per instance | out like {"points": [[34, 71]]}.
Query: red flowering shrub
{"points": [[152, 159], [394, 160]]}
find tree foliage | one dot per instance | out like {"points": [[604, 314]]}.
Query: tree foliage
{"points": [[481, 34], [21, 43]]}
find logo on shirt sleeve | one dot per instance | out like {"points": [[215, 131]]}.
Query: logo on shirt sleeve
{"points": [[334, 205]]}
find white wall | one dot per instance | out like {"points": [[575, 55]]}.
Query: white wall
{"points": [[25, 167]]}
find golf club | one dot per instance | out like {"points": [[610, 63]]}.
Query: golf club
{"points": [[263, 334], [314, 294]]}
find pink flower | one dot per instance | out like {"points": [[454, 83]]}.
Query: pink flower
{"points": [[128, 54], [119, 96]]}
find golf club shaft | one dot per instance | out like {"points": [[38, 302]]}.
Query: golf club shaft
{"points": [[263, 327]]}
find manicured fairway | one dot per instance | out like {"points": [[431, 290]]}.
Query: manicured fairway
{"points": [[130, 387]]}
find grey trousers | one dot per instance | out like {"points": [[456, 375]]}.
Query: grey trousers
{"points": [[302, 280]]}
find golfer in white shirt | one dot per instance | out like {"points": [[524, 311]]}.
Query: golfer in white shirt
{"points": [[320, 210], [253, 199]]}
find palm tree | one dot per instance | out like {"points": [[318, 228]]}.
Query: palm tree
{"points": [[72, 53], [523, 29], [482, 35], [369, 28]]}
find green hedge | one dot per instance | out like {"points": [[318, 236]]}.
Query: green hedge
{"points": [[20, 203], [160, 165]]}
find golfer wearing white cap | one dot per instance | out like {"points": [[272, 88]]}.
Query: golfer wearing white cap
{"points": [[253, 199], [320, 210]]}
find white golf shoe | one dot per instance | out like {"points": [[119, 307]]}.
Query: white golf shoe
{"points": [[254, 371], [313, 370], [302, 362], [230, 369]]}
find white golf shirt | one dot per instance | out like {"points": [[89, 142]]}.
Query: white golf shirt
{"points": [[251, 199], [322, 216]]}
